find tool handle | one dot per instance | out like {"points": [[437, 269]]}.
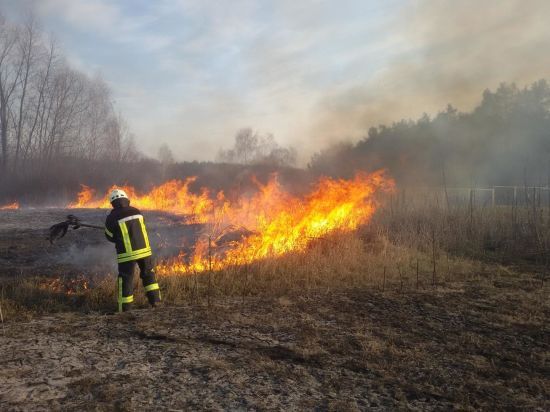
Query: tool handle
{"points": [[92, 226], [76, 223]]}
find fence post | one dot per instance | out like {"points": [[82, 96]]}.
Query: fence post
{"points": [[209, 268], [471, 207]]}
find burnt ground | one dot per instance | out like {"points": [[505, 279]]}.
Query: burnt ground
{"points": [[481, 344], [25, 250]]}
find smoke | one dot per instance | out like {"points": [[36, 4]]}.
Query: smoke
{"points": [[87, 251], [505, 140], [89, 258], [441, 52]]}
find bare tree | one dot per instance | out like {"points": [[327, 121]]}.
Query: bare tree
{"points": [[51, 115], [27, 52], [246, 143], [165, 155], [44, 62], [252, 148], [119, 142], [10, 72]]}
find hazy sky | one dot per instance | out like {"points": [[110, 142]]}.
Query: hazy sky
{"points": [[190, 73]]}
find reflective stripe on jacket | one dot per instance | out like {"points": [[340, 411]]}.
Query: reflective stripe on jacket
{"points": [[125, 227]]}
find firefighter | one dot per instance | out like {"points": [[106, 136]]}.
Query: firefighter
{"points": [[126, 229]]}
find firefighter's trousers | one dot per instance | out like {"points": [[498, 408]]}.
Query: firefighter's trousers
{"points": [[125, 283]]}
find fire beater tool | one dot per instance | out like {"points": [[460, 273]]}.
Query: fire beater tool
{"points": [[59, 230]]}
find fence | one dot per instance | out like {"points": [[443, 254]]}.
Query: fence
{"points": [[521, 196]]}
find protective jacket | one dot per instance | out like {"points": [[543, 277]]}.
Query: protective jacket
{"points": [[126, 229]]}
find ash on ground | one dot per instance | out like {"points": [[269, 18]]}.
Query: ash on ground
{"points": [[25, 249]]}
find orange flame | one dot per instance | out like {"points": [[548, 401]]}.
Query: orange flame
{"points": [[173, 196], [276, 222], [72, 286], [11, 206]]}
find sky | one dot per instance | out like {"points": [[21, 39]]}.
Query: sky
{"points": [[191, 73]]}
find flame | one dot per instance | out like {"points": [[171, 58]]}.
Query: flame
{"points": [[269, 223], [11, 206], [173, 196], [65, 286], [282, 223]]}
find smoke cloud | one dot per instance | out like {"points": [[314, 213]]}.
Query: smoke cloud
{"points": [[191, 74], [442, 52]]}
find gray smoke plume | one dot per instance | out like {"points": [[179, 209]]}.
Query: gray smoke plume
{"points": [[442, 51]]}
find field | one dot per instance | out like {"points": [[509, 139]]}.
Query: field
{"points": [[422, 310]]}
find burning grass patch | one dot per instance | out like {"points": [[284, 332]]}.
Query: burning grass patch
{"points": [[358, 260], [402, 249], [410, 312]]}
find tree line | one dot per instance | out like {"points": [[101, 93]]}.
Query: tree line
{"points": [[50, 111], [504, 140]]}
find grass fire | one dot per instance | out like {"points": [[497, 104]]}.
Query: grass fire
{"points": [[10, 206], [274, 221], [316, 206]]}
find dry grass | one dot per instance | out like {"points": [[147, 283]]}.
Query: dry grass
{"points": [[503, 234], [338, 262], [473, 345], [405, 248], [415, 311]]}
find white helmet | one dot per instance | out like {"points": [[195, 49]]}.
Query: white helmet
{"points": [[117, 194]]}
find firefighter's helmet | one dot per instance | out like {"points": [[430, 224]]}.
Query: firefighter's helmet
{"points": [[117, 194]]}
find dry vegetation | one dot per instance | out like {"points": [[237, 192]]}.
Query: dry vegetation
{"points": [[425, 308], [407, 247], [363, 260]]}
